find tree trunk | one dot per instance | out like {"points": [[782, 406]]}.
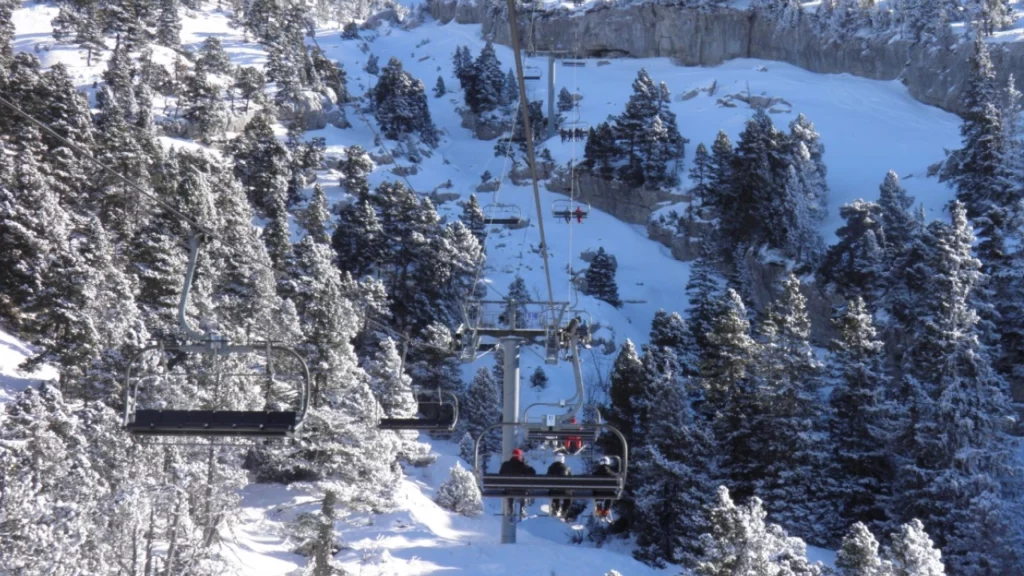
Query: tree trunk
{"points": [[172, 546], [147, 569]]}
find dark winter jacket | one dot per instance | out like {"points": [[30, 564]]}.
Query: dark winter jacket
{"points": [[513, 467], [559, 469], [604, 470]]}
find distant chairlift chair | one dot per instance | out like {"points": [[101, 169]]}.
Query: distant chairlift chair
{"points": [[503, 215], [531, 73], [436, 422], [569, 209], [280, 371]]}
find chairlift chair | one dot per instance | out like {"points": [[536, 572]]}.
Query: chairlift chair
{"points": [[503, 214], [575, 131], [531, 73], [430, 423], [278, 372], [574, 63], [569, 209], [582, 487]]}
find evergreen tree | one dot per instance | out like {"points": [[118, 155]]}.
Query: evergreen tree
{"points": [[460, 494], [539, 380], [565, 100], [201, 105], [400, 105], [249, 81], [439, 88], [511, 88], [807, 153], [359, 240], [911, 552], [600, 150], [473, 217], [372, 68], [729, 353], [168, 31], [485, 85], [261, 164], [856, 264], [700, 173], [956, 406], [858, 554], [703, 291], [897, 220], [600, 278], [213, 58], [862, 418], [482, 409], [321, 540], [720, 171], [627, 383], [515, 304], [644, 138], [741, 542], [979, 173], [462, 65], [316, 218]]}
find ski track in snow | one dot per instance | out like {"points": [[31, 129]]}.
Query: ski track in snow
{"points": [[867, 127]]}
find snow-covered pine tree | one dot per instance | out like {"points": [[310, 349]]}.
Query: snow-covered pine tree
{"points": [[358, 239], [720, 171], [462, 65], [855, 265], [753, 209], [858, 554], [979, 169], [200, 104], [741, 542], [700, 173], [703, 291], [390, 384], [511, 88], [514, 304], [439, 88], [460, 494], [539, 380], [482, 409], [911, 552], [728, 354], [485, 86], [261, 163], [672, 476], [356, 166], [400, 105], [862, 418], [315, 219], [807, 153], [639, 138], [600, 151], [473, 217], [600, 277], [627, 382], [213, 58], [898, 222], [467, 448], [565, 100], [168, 32], [792, 447], [956, 405]]}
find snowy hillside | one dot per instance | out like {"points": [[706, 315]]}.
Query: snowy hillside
{"points": [[867, 128]]}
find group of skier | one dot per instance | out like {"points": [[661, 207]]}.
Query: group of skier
{"points": [[517, 466], [573, 134]]}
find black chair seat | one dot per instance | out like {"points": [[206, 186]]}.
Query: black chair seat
{"points": [[212, 423], [540, 433], [587, 487], [503, 221], [415, 424]]}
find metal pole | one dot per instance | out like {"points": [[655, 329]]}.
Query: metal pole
{"points": [[510, 413], [528, 132], [551, 95]]}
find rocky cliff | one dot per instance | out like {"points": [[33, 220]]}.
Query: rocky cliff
{"points": [[933, 74]]}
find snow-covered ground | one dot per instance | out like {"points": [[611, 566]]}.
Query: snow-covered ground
{"points": [[12, 380], [868, 127]]}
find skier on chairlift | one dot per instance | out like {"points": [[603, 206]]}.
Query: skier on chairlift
{"points": [[516, 466], [573, 444], [579, 215], [603, 508], [559, 506]]}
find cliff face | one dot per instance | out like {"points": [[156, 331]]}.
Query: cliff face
{"points": [[934, 75]]}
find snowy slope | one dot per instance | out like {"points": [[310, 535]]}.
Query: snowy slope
{"points": [[868, 127]]}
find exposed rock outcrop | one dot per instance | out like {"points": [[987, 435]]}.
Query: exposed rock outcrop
{"points": [[933, 74]]}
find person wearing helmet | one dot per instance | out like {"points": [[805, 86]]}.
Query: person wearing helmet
{"points": [[573, 444], [559, 506], [516, 466], [604, 507]]}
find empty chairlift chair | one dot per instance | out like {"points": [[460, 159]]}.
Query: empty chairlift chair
{"points": [[585, 487], [200, 374], [438, 415], [531, 73], [503, 215]]}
